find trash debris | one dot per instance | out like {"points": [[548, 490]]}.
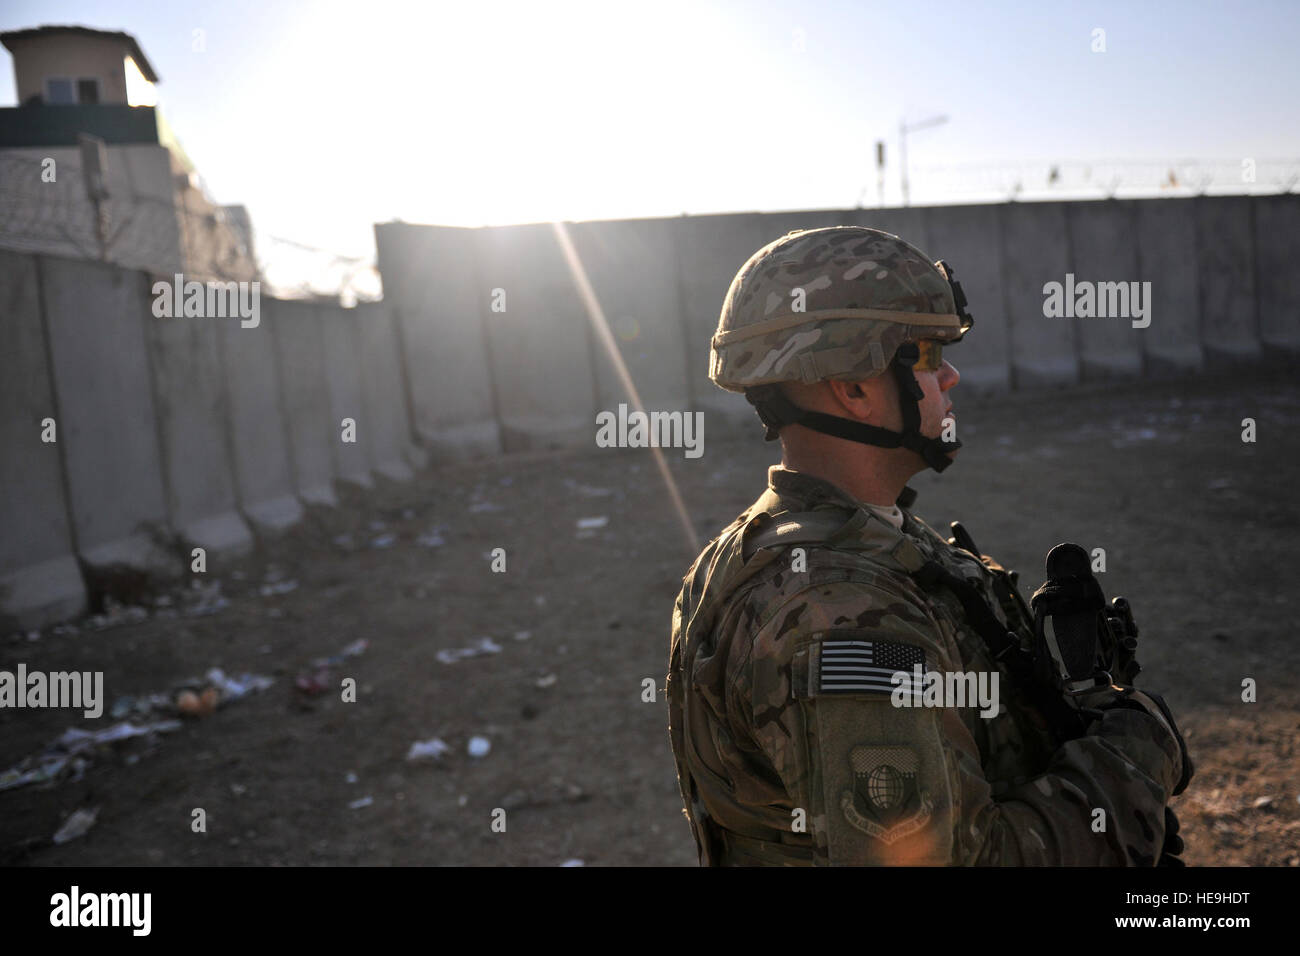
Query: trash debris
{"points": [[479, 746], [377, 525], [587, 491], [202, 704], [587, 524], [462, 800], [314, 683], [207, 599], [238, 789], [351, 777], [523, 635], [33, 636], [345, 542], [484, 645], [234, 688], [431, 539], [316, 679], [479, 507], [355, 649], [384, 541], [1262, 802], [361, 803], [547, 681], [280, 587], [61, 629], [68, 756], [573, 862], [431, 749], [77, 825], [115, 615]]}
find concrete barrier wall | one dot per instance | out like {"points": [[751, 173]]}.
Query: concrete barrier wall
{"points": [[256, 425], [1277, 271], [1166, 231], [95, 318], [40, 581], [1225, 244], [305, 397], [1103, 249], [710, 251], [343, 378], [177, 427], [633, 272], [387, 427], [542, 347], [190, 399], [432, 284], [1044, 351]]}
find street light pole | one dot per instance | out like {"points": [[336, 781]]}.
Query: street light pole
{"points": [[903, 130]]}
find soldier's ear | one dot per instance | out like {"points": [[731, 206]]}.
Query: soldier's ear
{"points": [[855, 398]]}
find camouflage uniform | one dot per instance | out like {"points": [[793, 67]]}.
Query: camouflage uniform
{"points": [[789, 747], [763, 733]]}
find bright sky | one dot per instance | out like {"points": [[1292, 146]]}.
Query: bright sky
{"points": [[324, 118]]}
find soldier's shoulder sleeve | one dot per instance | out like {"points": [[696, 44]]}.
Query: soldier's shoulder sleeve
{"points": [[870, 781], [884, 780]]}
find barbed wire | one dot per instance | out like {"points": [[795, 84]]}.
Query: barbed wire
{"points": [[1105, 178]]}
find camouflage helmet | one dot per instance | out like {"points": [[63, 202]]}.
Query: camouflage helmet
{"points": [[832, 303]]}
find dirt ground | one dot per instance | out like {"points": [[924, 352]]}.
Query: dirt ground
{"points": [[1199, 530]]}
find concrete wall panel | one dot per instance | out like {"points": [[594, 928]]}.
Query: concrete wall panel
{"points": [[39, 578], [257, 429], [1103, 248], [1225, 245], [190, 401], [541, 346], [1034, 249], [388, 427], [633, 271], [1166, 230], [343, 377], [95, 316], [1277, 269], [431, 281], [710, 251], [966, 237], [911, 224], [304, 396]]}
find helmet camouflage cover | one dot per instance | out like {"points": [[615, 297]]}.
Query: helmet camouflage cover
{"points": [[833, 303]]}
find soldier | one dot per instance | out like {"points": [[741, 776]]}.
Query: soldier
{"points": [[795, 741]]}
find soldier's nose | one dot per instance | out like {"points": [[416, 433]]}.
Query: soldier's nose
{"points": [[948, 376]]}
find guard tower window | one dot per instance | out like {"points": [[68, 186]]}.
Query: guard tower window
{"points": [[88, 90], [59, 91]]}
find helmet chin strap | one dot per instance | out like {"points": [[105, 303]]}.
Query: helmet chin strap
{"points": [[776, 411]]}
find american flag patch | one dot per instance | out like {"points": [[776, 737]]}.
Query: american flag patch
{"points": [[866, 667]]}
